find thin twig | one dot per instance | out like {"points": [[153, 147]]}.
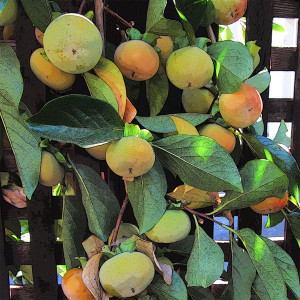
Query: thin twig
{"points": [[119, 220], [99, 8], [108, 10], [81, 6], [211, 34]]}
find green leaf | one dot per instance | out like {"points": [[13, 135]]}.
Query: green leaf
{"points": [[259, 289], [157, 89], [100, 90], [278, 28], [101, 205], [73, 231], [133, 34], [11, 80], [202, 43], [156, 22], [225, 33], [294, 221], [281, 135], [200, 293], [199, 161], [25, 145], [131, 130], [146, 195], [260, 81], [206, 262], [286, 266], [254, 49], [175, 291], [242, 274], [267, 149], [188, 27], [234, 64], [39, 12], [183, 247], [77, 119], [164, 124], [197, 12], [274, 219], [265, 264], [261, 179]]}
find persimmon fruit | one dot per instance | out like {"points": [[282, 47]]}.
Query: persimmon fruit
{"points": [[130, 156], [9, 13], [73, 43], [173, 226], [189, 68], [126, 274], [98, 152], [51, 172], [270, 205], [221, 135], [229, 11], [166, 44], [48, 73], [197, 100], [137, 60], [9, 32], [74, 287], [242, 108], [125, 230]]}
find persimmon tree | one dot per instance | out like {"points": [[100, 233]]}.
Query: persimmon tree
{"points": [[143, 148]]}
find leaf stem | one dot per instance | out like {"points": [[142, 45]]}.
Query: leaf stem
{"points": [[81, 7], [108, 10]]}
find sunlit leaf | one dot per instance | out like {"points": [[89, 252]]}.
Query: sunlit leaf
{"points": [[281, 136], [199, 162], [234, 64], [261, 179], [265, 264], [260, 81]]}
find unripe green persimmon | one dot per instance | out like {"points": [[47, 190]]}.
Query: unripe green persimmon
{"points": [[125, 230], [48, 73], [197, 101], [51, 172], [127, 274], [189, 68], [8, 12], [173, 226], [73, 43], [130, 157]]}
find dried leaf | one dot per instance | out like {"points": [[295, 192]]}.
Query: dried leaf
{"points": [[92, 245], [228, 215], [148, 249], [14, 195], [90, 277]]}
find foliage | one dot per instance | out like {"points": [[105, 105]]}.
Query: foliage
{"points": [[196, 162]]}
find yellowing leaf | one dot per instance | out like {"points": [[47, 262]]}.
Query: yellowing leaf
{"points": [[111, 75], [194, 197], [184, 127]]}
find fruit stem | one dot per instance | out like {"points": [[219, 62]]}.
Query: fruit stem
{"points": [[99, 8], [81, 7], [119, 220], [211, 34], [108, 10]]}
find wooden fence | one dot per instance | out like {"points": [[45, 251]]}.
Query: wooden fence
{"points": [[43, 253]]}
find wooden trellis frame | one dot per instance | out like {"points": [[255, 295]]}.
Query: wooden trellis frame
{"points": [[43, 253]]}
